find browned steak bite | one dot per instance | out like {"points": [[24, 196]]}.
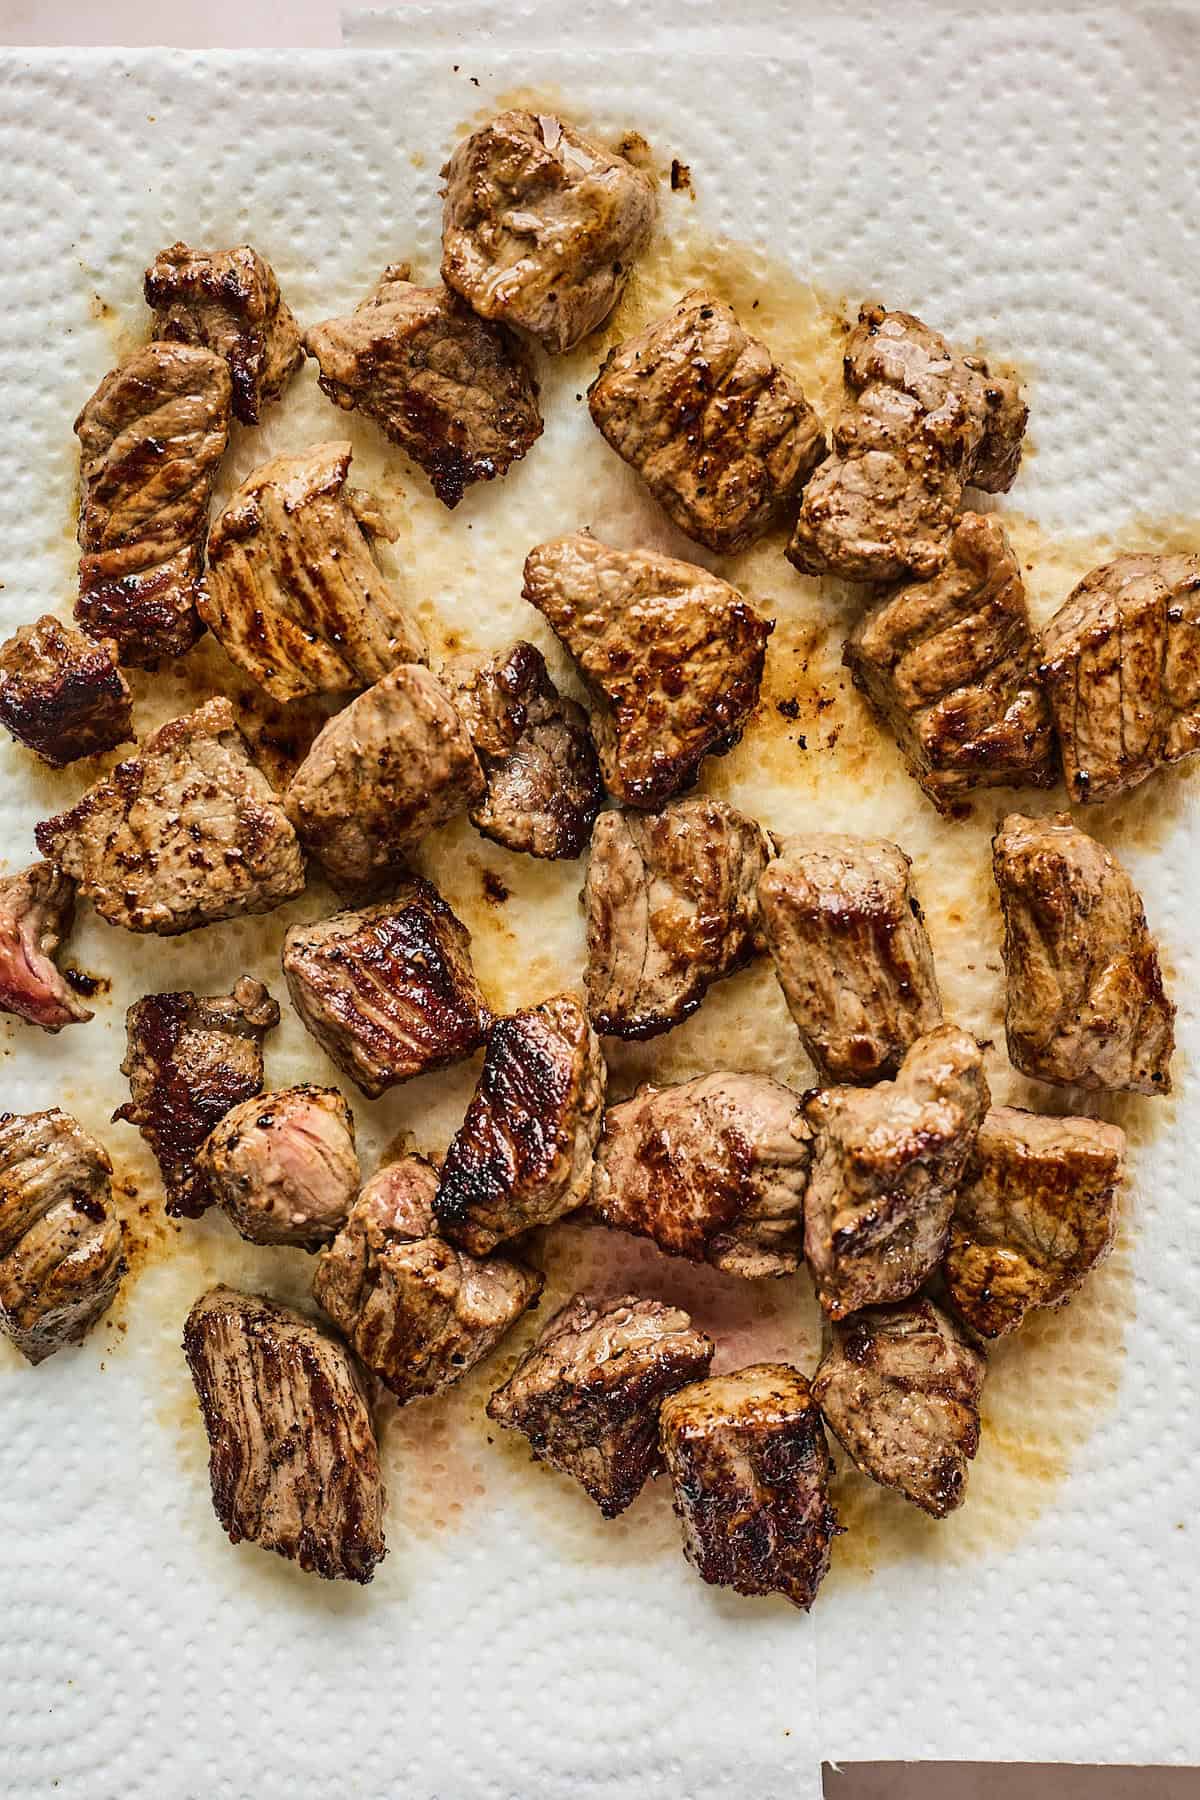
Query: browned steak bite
{"points": [[390, 767], [1037, 1210], [293, 592], [1086, 1004], [920, 422], [189, 1060], [283, 1166], [536, 751], [950, 667], [722, 435], [419, 1312], [229, 301], [449, 388], [541, 226], [886, 1163], [151, 437], [389, 991], [292, 1452], [587, 1394], [61, 1258], [1122, 669], [750, 1467], [523, 1154], [671, 908], [37, 909], [714, 1169], [62, 693], [851, 952], [187, 832], [673, 655], [900, 1387]]}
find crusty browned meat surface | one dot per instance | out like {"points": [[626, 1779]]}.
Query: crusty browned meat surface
{"points": [[671, 908], [851, 952], [1086, 1005], [417, 1311], [750, 1467], [37, 908], [389, 991], [293, 591], [673, 656], [1122, 669], [523, 1154], [151, 437], [900, 1387], [1037, 1210], [228, 301], [720, 433], [283, 1167], [451, 389], [61, 1258], [535, 748], [189, 1060], [886, 1163], [187, 832], [919, 423], [62, 693], [587, 1394], [390, 767], [541, 226], [292, 1453], [713, 1169], [950, 667]]}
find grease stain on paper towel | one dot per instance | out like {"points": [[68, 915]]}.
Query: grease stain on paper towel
{"points": [[800, 762]]}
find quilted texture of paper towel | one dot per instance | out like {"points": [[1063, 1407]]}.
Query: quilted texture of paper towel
{"points": [[1022, 179]]}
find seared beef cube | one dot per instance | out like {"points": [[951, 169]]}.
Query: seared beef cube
{"points": [[1037, 1210], [673, 656], [1086, 1004], [294, 593], [535, 749], [1122, 669], [63, 694], [228, 301], [283, 1166], [37, 908], [189, 1060], [714, 1169], [900, 1387], [450, 389], [950, 666], [187, 832], [61, 1243], [920, 422], [671, 908], [886, 1163], [541, 226], [851, 952], [751, 1469], [390, 767], [419, 1312], [388, 992], [293, 1459], [151, 438], [523, 1154], [722, 435], [587, 1394]]}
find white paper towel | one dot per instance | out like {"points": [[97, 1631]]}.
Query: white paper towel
{"points": [[1022, 177]]}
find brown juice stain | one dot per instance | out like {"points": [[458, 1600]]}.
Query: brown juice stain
{"points": [[1047, 1388], [801, 764]]}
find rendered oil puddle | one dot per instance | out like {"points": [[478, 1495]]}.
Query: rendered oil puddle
{"points": [[812, 758]]}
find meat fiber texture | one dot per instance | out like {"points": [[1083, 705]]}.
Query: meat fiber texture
{"points": [[1011, 146]]}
